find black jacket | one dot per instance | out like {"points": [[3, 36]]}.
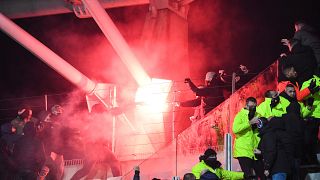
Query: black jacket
{"points": [[28, 152], [303, 60], [309, 37], [8, 136], [213, 95], [273, 144]]}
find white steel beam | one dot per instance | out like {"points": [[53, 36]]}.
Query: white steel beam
{"points": [[32, 8], [46, 55], [117, 41]]}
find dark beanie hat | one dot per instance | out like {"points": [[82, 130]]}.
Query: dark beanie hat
{"points": [[210, 152]]}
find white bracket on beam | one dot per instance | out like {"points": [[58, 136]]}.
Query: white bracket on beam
{"points": [[81, 11], [180, 7]]}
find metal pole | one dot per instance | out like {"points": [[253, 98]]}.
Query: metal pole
{"points": [[46, 101], [228, 138], [114, 121], [233, 82], [173, 115]]}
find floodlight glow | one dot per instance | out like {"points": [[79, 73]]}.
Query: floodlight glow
{"points": [[153, 96]]}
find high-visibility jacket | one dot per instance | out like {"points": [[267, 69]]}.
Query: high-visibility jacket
{"points": [[199, 168], [315, 112], [301, 94], [264, 109], [246, 139]]}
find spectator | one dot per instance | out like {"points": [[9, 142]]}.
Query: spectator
{"points": [[24, 116], [198, 105], [242, 77], [9, 135], [210, 168], [272, 146], [292, 76], [136, 173], [294, 126], [288, 97], [189, 176], [308, 37], [96, 149], [49, 130], [28, 153], [246, 140], [212, 92], [302, 59]]}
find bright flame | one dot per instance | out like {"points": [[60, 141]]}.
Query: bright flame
{"points": [[154, 95]]}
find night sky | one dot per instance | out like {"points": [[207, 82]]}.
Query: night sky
{"points": [[222, 35]]}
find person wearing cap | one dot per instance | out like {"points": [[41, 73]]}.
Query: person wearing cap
{"points": [[24, 116], [246, 139], [210, 168], [212, 92]]}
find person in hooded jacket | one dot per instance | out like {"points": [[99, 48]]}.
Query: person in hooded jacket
{"points": [[298, 66], [273, 148], [313, 121], [209, 168], [212, 92], [294, 126], [24, 116], [246, 140], [9, 135], [28, 153], [49, 131], [308, 37]]}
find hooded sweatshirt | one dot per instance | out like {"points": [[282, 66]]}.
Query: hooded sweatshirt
{"points": [[8, 136]]}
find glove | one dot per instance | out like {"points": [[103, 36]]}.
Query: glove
{"points": [[309, 101], [315, 90], [274, 102], [312, 84], [187, 80]]}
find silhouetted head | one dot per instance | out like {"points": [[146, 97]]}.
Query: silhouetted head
{"points": [[210, 76], [25, 114], [189, 176], [290, 91], [289, 72], [251, 103], [271, 94]]}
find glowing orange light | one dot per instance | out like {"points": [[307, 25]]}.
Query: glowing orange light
{"points": [[153, 96]]}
